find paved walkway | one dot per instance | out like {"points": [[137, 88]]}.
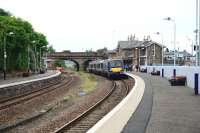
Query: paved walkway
{"points": [[139, 120], [19, 79], [175, 108]]}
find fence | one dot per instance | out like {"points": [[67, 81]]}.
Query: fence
{"points": [[191, 72]]}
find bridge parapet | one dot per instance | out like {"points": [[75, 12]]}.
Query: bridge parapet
{"points": [[81, 59], [75, 54]]}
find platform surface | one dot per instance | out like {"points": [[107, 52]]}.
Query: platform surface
{"points": [[16, 80], [116, 119], [175, 109]]}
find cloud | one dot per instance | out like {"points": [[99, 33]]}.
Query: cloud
{"points": [[78, 24]]}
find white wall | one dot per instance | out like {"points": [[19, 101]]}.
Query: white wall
{"points": [[188, 71]]}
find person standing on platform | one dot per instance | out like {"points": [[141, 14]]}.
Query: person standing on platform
{"points": [[126, 67], [136, 68]]}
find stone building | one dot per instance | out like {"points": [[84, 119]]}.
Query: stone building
{"points": [[182, 57], [112, 53], [137, 52]]}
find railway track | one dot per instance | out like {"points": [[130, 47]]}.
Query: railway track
{"points": [[92, 115], [127, 87], [6, 103], [3, 100]]}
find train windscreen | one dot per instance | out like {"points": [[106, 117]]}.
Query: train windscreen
{"points": [[116, 63]]}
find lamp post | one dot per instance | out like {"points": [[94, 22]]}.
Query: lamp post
{"points": [[198, 13], [113, 38], [158, 33], [196, 47], [178, 56], [196, 31], [190, 42], [46, 61], [28, 59], [5, 53], [173, 20], [40, 59], [34, 42], [41, 54]]}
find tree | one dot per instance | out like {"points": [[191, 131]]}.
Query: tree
{"points": [[50, 49], [20, 46], [60, 63], [102, 51], [4, 13]]}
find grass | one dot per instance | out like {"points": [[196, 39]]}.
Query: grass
{"points": [[89, 82]]}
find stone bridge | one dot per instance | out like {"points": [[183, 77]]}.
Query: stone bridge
{"points": [[81, 59]]}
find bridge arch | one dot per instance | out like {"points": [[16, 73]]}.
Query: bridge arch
{"points": [[76, 62], [86, 63]]}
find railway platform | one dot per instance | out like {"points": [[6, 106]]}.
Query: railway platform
{"points": [[162, 109], [165, 109], [22, 80]]}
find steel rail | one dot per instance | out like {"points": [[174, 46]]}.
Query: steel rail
{"points": [[127, 87], [28, 97], [82, 115], [30, 92]]}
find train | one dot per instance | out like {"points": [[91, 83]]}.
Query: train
{"points": [[110, 68]]}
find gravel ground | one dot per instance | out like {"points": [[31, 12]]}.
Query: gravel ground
{"points": [[66, 103], [93, 117], [21, 111], [71, 104], [69, 110]]}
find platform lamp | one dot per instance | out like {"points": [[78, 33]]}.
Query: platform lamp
{"points": [[173, 20], [158, 33], [34, 42], [42, 49], [5, 52]]}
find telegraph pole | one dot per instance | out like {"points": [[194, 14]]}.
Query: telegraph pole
{"points": [[198, 13], [196, 32], [5, 56]]}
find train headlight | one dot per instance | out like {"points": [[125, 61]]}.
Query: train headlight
{"points": [[118, 69]]}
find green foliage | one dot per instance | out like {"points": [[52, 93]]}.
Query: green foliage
{"points": [[60, 63], [89, 82], [50, 49], [4, 13], [24, 42], [102, 51]]}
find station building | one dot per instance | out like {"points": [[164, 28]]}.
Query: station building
{"points": [[135, 52]]}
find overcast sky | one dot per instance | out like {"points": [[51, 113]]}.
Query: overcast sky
{"points": [[80, 25]]}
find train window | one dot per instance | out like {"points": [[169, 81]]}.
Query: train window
{"points": [[116, 63], [101, 65], [105, 65]]}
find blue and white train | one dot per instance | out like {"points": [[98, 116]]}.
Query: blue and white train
{"points": [[111, 68]]}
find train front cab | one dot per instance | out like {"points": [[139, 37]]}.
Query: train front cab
{"points": [[115, 69]]}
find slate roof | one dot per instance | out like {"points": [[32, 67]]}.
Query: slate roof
{"points": [[129, 44], [112, 51], [185, 53], [135, 44]]}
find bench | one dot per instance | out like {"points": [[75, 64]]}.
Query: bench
{"points": [[143, 70], [157, 73], [178, 80], [42, 71]]}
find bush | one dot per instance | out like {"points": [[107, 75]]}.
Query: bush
{"points": [[25, 74]]}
